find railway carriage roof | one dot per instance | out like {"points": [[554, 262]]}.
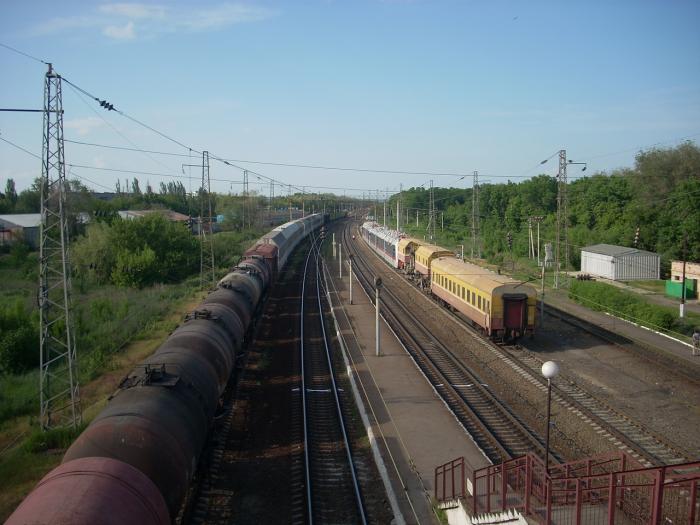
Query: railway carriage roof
{"points": [[482, 278], [382, 232], [405, 241], [432, 250]]}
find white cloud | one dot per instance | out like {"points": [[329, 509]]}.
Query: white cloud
{"points": [[134, 10], [127, 21], [83, 126], [223, 15], [120, 32]]}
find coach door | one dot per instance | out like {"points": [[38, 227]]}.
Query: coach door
{"points": [[515, 312]]}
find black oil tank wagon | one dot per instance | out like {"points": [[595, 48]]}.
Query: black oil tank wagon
{"points": [[135, 461]]}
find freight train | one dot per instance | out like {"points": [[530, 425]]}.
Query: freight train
{"points": [[501, 307], [135, 461]]}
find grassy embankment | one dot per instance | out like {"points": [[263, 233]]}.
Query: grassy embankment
{"points": [[116, 329]]}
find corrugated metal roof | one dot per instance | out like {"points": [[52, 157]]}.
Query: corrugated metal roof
{"points": [[168, 214], [614, 251], [24, 220]]}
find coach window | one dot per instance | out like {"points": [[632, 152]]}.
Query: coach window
{"points": [[463, 293], [479, 301]]}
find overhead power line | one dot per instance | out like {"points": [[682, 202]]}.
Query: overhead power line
{"points": [[23, 53]]}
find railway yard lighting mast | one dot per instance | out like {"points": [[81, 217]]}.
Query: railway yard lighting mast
{"points": [[550, 370]]}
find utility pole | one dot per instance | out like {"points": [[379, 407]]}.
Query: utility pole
{"points": [[685, 256], [416, 218], [398, 209], [376, 197], [206, 234], [384, 201], [245, 193], [431, 214], [562, 221], [269, 202], [340, 261], [476, 245], [59, 392], [542, 298], [289, 198], [536, 219]]}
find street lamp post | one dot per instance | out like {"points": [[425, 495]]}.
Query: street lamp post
{"points": [[351, 257], [377, 286], [550, 369]]}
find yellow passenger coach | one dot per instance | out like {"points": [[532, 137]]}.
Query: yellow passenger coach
{"points": [[503, 307]]}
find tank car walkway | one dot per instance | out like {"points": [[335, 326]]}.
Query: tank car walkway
{"points": [[420, 432]]}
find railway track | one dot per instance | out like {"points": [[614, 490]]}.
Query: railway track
{"points": [[631, 436], [497, 431], [332, 490], [622, 431]]}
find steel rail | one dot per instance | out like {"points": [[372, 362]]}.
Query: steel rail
{"points": [[474, 405], [307, 463], [339, 410], [313, 357]]}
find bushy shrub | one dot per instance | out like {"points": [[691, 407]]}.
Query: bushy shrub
{"points": [[19, 338], [606, 298], [137, 253]]}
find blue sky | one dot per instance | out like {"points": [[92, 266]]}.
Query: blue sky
{"points": [[429, 86]]}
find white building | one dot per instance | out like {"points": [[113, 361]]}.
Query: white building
{"points": [[619, 263]]}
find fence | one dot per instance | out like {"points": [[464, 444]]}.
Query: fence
{"points": [[607, 489]]}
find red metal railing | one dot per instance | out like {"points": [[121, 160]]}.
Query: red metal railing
{"points": [[450, 480], [608, 489]]}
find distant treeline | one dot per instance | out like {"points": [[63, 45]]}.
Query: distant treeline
{"points": [[660, 196]]}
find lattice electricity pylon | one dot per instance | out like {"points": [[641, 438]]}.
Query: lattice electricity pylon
{"points": [[206, 234], [562, 219], [59, 392], [476, 244]]}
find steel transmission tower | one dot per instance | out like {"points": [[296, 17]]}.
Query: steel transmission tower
{"points": [[206, 234], [59, 392], [562, 219], [476, 245]]}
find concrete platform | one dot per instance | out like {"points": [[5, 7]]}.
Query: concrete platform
{"points": [[415, 430]]}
